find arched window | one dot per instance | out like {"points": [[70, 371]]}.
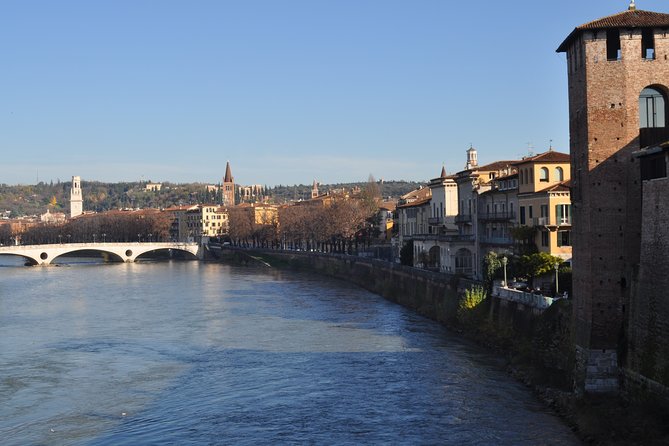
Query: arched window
{"points": [[651, 109], [543, 174], [559, 174]]}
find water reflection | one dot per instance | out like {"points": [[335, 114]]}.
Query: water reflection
{"points": [[186, 352]]}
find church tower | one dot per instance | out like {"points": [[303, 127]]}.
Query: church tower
{"points": [[314, 190], [472, 159], [76, 198], [228, 187], [618, 73]]}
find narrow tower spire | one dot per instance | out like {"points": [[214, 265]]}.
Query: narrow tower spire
{"points": [[632, 6]]}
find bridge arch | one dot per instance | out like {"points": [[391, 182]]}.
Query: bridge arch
{"points": [[124, 252], [107, 255], [28, 260]]}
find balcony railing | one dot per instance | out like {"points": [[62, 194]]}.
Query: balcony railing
{"points": [[497, 216], [497, 240], [434, 221], [545, 221], [463, 218]]}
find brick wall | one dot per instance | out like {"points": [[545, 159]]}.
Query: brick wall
{"points": [[649, 307]]}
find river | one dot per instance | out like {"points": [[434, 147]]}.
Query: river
{"points": [[204, 353]]}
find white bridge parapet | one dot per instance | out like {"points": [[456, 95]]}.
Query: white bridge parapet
{"points": [[124, 252]]}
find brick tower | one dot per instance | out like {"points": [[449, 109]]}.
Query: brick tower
{"points": [[228, 187], [618, 71]]}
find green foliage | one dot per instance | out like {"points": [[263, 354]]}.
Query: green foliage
{"points": [[525, 239], [472, 298], [492, 264], [406, 254], [537, 264]]}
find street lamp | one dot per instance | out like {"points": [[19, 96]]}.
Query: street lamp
{"points": [[139, 238], [60, 239], [557, 266], [104, 237], [150, 237], [94, 235], [69, 236], [504, 262]]}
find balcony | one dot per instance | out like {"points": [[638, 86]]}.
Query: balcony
{"points": [[435, 221], [463, 218], [497, 216], [497, 240], [545, 221]]}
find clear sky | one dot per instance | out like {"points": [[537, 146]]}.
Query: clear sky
{"points": [[287, 90]]}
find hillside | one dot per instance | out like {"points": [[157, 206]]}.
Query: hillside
{"points": [[21, 200]]}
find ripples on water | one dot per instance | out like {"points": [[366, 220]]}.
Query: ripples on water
{"points": [[194, 353]]}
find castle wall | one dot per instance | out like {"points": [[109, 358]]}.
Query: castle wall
{"points": [[649, 310]]}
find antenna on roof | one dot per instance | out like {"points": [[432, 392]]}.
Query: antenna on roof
{"points": [[632, 6], [530, 149], [550, 146]]}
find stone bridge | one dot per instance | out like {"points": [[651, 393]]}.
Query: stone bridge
{"points": [[121, 252]]}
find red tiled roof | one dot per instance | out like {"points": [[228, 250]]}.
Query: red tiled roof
{"points": [[546, 157], [415, 203], [563, 186], [497, 165], [626, 19]]}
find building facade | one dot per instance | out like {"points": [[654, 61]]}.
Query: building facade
{"points": [[544, 201]]}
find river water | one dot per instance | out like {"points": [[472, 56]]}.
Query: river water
{"points": [[201, 353]]}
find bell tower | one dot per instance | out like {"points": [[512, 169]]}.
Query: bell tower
{"points": [[76, 198], [228, 187], [618, 73]]}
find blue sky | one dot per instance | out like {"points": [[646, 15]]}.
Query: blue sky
{"points": [[288, 91]]}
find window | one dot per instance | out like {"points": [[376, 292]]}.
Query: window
{"points": [[651, 109], [543, 175], [545, 238], [522, 215], [647, 44], [613, 44], [544, 210], [530, 212], [559, 174], [563, 214], [564, 238]]}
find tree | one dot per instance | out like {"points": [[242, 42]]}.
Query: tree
{"points": [[492, 263], [524, 237], [406, 254], [537, 264]]}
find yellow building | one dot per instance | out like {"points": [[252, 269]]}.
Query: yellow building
{"points": [[544, 201]]}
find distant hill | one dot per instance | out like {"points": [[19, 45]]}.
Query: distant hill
{"points": [[36, 199]]}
